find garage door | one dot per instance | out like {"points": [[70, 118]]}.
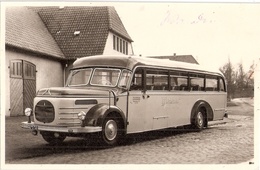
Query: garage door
{"points": [[23, 86]]}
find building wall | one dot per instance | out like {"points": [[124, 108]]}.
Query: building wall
{"points": [[109, 47], [257, 88], [49, 73]]}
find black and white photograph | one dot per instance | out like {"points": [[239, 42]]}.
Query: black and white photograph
{"points": [[130, 85]]}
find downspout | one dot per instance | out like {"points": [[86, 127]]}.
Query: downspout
{"points": [[64, 74]]}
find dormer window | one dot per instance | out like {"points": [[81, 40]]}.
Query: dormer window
{"points": [[120, 45], [76, 33]]}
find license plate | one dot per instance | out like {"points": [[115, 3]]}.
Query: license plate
{"points": [[34, 127]]}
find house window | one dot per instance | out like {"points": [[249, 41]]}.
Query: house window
{"points": [[120, 45], [16, 69], [22, 69], [114, 42], [117, 44], [29, 70], [124, 47]]}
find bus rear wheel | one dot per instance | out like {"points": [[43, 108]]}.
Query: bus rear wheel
{"points": [[199, 120]]}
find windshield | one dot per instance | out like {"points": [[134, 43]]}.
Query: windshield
{"points": [[95, 77], [79, 77], [105, 77]]}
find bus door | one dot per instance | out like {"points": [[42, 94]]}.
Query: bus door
{"points": [[136, 103], [156, 90], [156, 112]]}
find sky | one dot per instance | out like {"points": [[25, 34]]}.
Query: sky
{"points": [[211, 32]]}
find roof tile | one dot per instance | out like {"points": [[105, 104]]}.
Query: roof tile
{"points": [[25, 30], [94, 24]]}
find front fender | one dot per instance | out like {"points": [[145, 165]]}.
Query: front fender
{"points": [[98, 113]]}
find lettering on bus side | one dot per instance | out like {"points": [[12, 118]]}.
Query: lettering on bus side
{"points": [[136, 100], [168, 101]]}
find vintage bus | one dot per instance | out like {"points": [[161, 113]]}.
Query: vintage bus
{"points": [[112, 96]]}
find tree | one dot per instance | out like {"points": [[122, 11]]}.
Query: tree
{"points": [[239, 82], [241, 77], [228, 72], [250, 76]]}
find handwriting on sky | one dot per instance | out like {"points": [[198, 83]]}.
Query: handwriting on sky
{"points": [[200, 18]]}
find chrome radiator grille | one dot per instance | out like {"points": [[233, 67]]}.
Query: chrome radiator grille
{"points": [[44, 111], [69, 116]]}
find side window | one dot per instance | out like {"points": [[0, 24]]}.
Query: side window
{"points": [[179, 80], [137, 81], [211, 83], [197, 82], [156, 80], [221, 84], [124, 80]]}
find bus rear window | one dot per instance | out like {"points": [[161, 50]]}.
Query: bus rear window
{"points": [[221, 84]]}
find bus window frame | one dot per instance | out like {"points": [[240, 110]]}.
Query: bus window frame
{"points": [[186, 74], [159, 72], [198, 76], [128, 83], [180, 74], [132, 79], [211, 77]]}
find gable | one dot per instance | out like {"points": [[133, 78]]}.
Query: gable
{"points": [[25, 30], [82, 31], [116, 24]]}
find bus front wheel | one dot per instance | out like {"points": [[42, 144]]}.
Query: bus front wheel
{"points": [[111, 132]]}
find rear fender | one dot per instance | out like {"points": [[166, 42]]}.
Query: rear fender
{"points": [[201, 104]]}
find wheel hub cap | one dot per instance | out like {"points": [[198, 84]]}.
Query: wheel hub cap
{"points": [[200, 119], [111, 130]]}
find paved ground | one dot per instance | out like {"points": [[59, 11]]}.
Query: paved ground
{"points": [[230, 141]]}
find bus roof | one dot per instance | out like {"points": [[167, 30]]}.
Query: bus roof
{"points": [[130, 62]]}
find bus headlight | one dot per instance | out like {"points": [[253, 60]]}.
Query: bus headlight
{"points": [[28, 112], [82, 115]]}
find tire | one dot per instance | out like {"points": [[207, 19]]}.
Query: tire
{"points": [[52, 139], [199, 120], [111, 131]]}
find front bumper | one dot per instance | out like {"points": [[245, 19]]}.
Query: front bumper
{"points": [[76, 129]]}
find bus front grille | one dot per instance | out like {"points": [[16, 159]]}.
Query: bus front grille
{"points": [[67, 117], [44, 111]]}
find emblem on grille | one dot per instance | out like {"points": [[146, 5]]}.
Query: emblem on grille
{"points": [[47, 91]]}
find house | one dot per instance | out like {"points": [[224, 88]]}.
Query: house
{"points": [[181, 58], [41, 43]]}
